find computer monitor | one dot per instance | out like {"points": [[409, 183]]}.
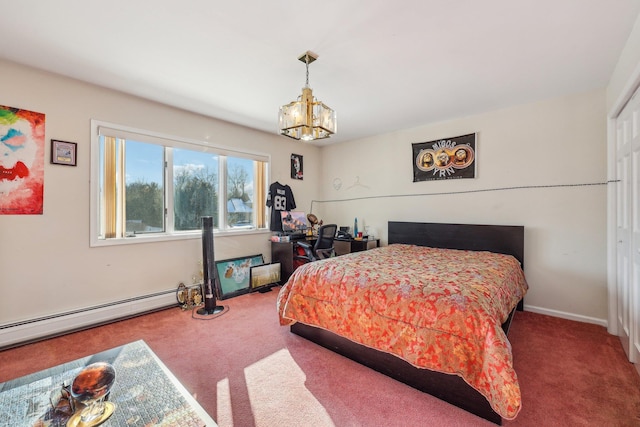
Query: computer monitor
{"points": [[293, 222]]}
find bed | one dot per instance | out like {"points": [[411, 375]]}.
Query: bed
{"points": [[432, 309]]}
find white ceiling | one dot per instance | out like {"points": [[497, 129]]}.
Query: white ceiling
{"points": [[383, 65]]}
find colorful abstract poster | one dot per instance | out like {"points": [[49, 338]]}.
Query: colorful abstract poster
{"points": [[449, 158], [21, 161]]}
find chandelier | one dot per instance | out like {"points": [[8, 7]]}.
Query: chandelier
{"points": [[307, 118]]}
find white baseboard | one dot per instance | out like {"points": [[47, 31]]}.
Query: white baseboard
{"points": [[31, 330], [565, 315], [27, 331]]}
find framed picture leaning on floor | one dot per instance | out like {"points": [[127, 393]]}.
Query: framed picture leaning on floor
{"points": [[263, 277], [234, 275]]}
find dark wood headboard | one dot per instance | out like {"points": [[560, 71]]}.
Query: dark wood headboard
{"points": [[504, 239]]}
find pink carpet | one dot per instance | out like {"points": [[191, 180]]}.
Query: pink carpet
{"points": [[246, 370]]}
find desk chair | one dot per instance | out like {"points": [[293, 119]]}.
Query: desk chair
{"points": [[323, 248]]}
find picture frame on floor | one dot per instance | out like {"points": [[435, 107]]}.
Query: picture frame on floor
{"points": [[263, 277], [234, 275]]}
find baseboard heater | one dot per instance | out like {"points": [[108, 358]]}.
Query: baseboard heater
{"points": [[27, 331]]}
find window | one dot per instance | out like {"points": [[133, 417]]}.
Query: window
{"points": [[150, 186]]}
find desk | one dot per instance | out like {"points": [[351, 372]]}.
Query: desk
{"points": [[346, 246], [145, 392], [283, 252]]}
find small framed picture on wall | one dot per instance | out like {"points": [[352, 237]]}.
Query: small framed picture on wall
{"points": [[296, 166], [63, 153]]}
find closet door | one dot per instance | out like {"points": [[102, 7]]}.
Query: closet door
{"points": [[634, 297], [628, 227]]}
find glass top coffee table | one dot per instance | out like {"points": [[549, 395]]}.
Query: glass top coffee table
{"points": [[145, 393]]}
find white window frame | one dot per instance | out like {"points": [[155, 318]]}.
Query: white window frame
{"points": [[167, 141]]}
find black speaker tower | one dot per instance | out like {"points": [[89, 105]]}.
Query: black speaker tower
{"points": [[208, 267]]}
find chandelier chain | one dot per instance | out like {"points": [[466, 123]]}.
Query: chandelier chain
{"points": [[306, 61]]}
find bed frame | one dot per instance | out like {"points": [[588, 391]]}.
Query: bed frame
{"points": [[450, 388]]}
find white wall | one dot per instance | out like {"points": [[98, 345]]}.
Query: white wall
{"points": [[624, 77], [552, 143], [46, 264]]}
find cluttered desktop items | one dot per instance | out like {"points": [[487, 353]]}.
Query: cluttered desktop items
{"points": [[294, 225], [343, 233]]}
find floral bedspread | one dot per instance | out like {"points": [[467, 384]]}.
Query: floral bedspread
{"points": [[440, 309]]}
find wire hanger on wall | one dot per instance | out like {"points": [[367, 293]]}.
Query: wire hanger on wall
{"points": [[357, 184]]}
